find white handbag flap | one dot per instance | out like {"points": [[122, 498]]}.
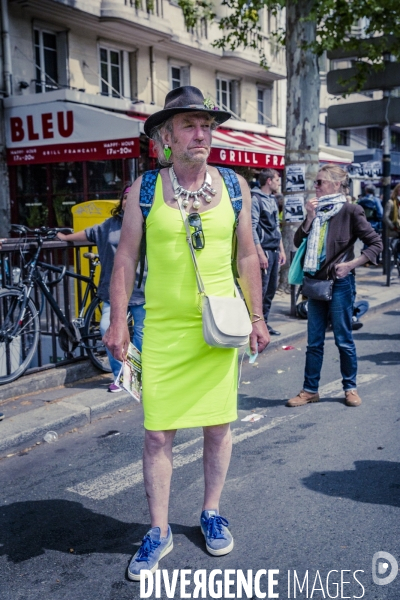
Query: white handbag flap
{"points": [[230, 315]]}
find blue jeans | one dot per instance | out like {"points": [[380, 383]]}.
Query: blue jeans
{"points": [[269, 281], [340, 312], [138, 314]]}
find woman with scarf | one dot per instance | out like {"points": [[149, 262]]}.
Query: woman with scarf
{"points": [[331, 227], [106, 237]]}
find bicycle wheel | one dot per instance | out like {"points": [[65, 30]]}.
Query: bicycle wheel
{"points": [[92, 336], [95, 348], [16, 350]]}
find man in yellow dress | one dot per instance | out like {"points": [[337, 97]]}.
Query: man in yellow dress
{"points": [[186, 383]]}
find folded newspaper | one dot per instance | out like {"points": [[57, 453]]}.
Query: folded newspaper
{"points": [[130, 375]]}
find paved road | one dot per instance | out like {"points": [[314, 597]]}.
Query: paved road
{"points": [[314, 489]]}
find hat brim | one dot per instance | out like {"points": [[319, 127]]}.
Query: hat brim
{"points": [[161, 116]]}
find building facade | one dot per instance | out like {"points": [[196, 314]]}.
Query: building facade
{"points": [[366, 143], [84, 75]]}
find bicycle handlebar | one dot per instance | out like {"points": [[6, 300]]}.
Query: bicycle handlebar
{"points": [[46, 232]]}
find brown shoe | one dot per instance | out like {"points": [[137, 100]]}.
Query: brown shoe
{"points": [[303, 398], [352, 398]]}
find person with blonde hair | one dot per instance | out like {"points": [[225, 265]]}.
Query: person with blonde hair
{"points": [[332, 225], [391, 217]]}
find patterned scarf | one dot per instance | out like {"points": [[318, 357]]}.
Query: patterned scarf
{"points": [[328, 206]]}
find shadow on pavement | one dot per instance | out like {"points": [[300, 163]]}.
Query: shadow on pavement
{"points": [[373, 482], [28, 529], [376, 336], [251, 402], [384, 358]]}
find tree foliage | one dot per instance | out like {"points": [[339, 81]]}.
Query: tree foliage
{"points": [[341, 24]]}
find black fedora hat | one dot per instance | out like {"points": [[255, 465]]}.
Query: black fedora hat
{"points": [[184, 99]]}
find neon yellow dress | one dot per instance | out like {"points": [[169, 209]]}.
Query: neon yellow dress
{"points": [[186, 383]]}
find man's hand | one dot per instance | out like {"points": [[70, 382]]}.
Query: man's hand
{"points": [[116, 339], [259, 337], [282, 258], [262, 257]]}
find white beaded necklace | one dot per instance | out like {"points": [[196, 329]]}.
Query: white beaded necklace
{"points": [[180, 192]]}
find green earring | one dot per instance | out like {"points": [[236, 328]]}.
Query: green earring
{"points": [[167, 152]]}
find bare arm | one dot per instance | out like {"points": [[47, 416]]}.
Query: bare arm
{"points": [[249, 273], [79, 236], [126, 259]]}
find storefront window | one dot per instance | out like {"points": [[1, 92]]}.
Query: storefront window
{"points": [[105, 179], [67, 190], [45, 194], [31, 195]]}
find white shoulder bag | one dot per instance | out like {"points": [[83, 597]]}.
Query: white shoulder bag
{"points": [[226, 321]]}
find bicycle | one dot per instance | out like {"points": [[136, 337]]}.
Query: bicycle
{"points": [[20, 316]]}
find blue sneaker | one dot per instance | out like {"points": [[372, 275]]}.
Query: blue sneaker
{"points": [[219, 540], [153, 549]]}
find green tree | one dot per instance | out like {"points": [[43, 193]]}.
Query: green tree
{"points": [[313, 27]]}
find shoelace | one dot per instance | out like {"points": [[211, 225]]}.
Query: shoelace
{"points": [[148, 546], [214, 527]]}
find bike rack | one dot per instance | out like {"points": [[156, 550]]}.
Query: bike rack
{"points": [[57, 255]]}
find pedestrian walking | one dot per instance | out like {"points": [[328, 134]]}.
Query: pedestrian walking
{"points": [[372, 206], [267, 237], [106, 237], [186, 383], [332, 226], [391, 218]]}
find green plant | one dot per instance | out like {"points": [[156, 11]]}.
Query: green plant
{"points": [[37, 216], [62, 210], [193, 12]]}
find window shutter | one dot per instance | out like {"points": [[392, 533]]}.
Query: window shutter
{"points": [[62, 58], [235, 97], [268, 102], [185, 75]]}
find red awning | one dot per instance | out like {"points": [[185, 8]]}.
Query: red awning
{"points": [[247, 149], [66, 131]]}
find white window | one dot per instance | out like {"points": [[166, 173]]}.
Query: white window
{"points": [[225, 93], [228, 94], [179, 75], [51, 62], [264, 105], [110, 72]]}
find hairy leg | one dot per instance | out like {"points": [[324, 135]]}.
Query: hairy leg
{"points": [[216, 458], [157, 472]]}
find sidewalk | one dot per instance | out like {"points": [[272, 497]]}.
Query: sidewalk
{"points": [[62, 399]]}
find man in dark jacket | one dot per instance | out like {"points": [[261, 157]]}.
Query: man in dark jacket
{"points": [[267, 236]]}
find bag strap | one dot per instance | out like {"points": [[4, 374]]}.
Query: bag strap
{"points": [[235, 194], [199, 281], [147, 189], [335, 260], [234, 190], [146, 199]]}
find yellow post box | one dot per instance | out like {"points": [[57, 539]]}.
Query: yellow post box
{"points": [[86, 215]]}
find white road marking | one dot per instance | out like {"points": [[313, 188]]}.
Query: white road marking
{"points": [[117, 481], [334, 389]]}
